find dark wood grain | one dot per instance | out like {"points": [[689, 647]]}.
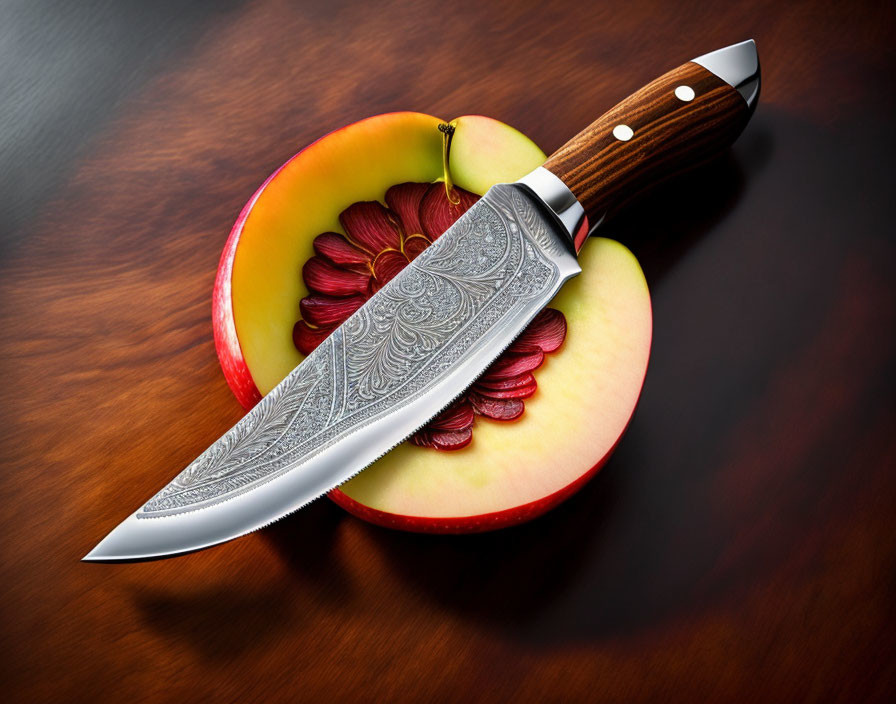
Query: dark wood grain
{"points": [[670, 137], [739, 546]]}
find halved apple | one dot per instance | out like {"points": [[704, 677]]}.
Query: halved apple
{"points": [[511, 471]]}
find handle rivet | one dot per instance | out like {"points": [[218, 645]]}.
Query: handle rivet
{"points": [[685, 93], [623, 133]]}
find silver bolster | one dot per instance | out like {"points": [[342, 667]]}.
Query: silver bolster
{"points": [[738, 66], [557, 197]]}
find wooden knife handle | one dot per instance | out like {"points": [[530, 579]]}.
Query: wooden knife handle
{"points": [[678, 121]]}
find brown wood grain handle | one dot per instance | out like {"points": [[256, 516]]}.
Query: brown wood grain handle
{"points": [[667, 132]]}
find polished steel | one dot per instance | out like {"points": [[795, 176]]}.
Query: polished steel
{"points": [[399, 360], [738, 66], [560, 201]]}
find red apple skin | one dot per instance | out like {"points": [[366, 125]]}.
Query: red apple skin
{"points": [[227, 344]]}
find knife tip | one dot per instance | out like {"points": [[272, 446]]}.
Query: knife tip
{"points": [[99, 555], [117, 546], [140, 541], [94, 556]]}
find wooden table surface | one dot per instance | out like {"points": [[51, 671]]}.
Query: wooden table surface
{"points": [[740, 545]]}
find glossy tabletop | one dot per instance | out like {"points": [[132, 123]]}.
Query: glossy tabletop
{"points": [[741, 543]]}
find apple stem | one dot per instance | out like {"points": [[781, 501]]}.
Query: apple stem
{"points": [[447, 130]]}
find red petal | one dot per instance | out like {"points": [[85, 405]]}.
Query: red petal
{"points": [[338, 249], [547, 330], [443, 440], [523, 391], [521, 347], [321, 310], [387, 265], [371, 226], [306, 338], [513, 382], [324, 277], [437, 213], [455, 417], [513, 363], [404, 199], [498, 409], [413, 246]]}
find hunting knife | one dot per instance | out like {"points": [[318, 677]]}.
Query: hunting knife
{"points": [[423, 338]]}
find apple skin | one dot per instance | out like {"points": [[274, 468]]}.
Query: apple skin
{"points": [[227, 343], [257, 289]]}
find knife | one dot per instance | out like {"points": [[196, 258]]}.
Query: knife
{"points": [[423, 338]]}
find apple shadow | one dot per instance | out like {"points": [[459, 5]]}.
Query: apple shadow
{"points": [[509, 578]]}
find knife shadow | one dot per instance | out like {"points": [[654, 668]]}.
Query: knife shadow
{"points": [[513, 580], [222, 620], [516, 580], [668, 222], [526, 580], [219, 623]]}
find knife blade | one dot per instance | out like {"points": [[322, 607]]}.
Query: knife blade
{"points": [[421, 340]]}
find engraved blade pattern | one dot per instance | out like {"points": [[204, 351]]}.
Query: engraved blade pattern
{"points": [[399, 360]]}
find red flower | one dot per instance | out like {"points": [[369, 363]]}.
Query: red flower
{"points": [[379, 242]]}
